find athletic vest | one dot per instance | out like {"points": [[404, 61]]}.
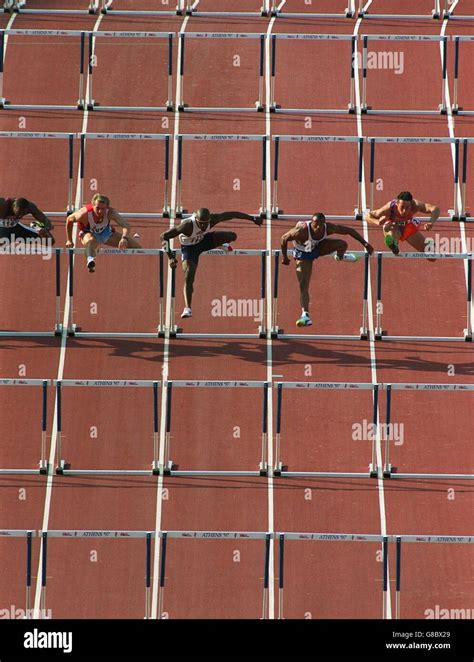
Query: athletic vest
{"points": [[310, 243]]}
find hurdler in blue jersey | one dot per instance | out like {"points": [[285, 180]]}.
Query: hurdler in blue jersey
{"points": [[311, 240], [196, 236]]}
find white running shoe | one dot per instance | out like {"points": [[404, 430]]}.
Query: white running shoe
{"points": [[91, 264], [187, 312], [347, 257], [228, 247], [304, 320]]}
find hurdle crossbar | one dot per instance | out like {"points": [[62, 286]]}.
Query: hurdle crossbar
{"points": [[333, 537], [103, 535], [382, 334], [43, 463], [20, 7], [275, 107], [62, 466], [258, 105], [279, 469], [455, 107], [277, 332], [388, 470], [348, 12], [192, 9], [435, 13], [108, 8], [318, 139], [410, 38], [73, 330], [168, 466], [58, 327], [206, 137], [28, 534], [165, 137], [148, 36], [176, 332], [216, 535], [457, 540]]}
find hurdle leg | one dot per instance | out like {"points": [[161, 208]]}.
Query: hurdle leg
{"points": [[275, 209], [278, 464], [354, 63], [373, 469], [398, 577], [161, 324], [71, 330], [385, 578], [28, 575], [2, 57], [259, 102], [387, 469], [167, 463], [468, 329], [44, 547], [148, 577], [156, 437], [379, 332], [173, 327], [43, 463], [262, 329], [161, 585], [60, 463], [265, 606], [280, 578], [90, 101], [275, 330], [80, 98], [263, 462]]}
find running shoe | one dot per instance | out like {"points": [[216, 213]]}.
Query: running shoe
{"points": [[91, 264], [187, 312], [228, 247], [347, 257], [304, 320], [392, 243]]}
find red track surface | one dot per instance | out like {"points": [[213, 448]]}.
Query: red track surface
{"points": [[203, 579]]}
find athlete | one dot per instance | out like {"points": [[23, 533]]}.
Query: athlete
{"points": [[196, 237], [93, 222], [311, 240], [398, 220], [12, 211]]}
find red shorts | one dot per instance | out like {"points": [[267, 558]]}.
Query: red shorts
{"points": [[406, 229]]}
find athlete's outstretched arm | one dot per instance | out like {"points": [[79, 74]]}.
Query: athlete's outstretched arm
{"points": [[426, 208], [344, 229], [229, 215], [378, 216], [185, 227], [295, 234], [40, 216]]}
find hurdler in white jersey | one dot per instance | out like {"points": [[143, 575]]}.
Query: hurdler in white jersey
{"points": [[196, 237], [311, 241]]}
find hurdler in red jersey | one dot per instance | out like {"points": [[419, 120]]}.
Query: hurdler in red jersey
{"points": [[397, 218]]}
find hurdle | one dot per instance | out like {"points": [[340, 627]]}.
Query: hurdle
{"points": [[382, 334], [95, 105], [279, 469], [435, 13], [436, 539], [20, 6], [455, 214], [277, 332], [177, 332], [408, 38], [276, 211], [456, 108], [206, 137], [4, 103], [43, 463], [215, 535], [348, 12], [190, 10], [165, 137], [332, 537], [258, 105], [73, 330], [168, 466], [62, 467], [276, 108], [108, 8], [28, 534], [95, 535], [388, 470]]}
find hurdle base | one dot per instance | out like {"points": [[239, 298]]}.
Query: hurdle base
{"points": [[455, 109], [351, 109], [155, 468], [364, 334], [61, 468], [182, 106], [275, 331], [262, 332], [259, 106], [263, 470], [453, 215], [71, 332], [387, 471], [43, 467], [175, 330], [379, 333], [435, 14], [467, 335], [442, 109], [373, 471], [168, 467], [278, 469], [58, 330], [357, 214], [3, 103], [276, 211], [274, 106], [364, 109]]}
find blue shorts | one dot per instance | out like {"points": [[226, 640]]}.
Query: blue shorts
{"points": [[304, 255], [192, 252], [102, 236]]}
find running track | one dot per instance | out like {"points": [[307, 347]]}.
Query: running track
{"points": [[210, 579]]}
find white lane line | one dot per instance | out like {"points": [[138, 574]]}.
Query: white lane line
{"points": [[166, 344], [271, 496], [450, 119], [373, 358], [62, 358]]}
